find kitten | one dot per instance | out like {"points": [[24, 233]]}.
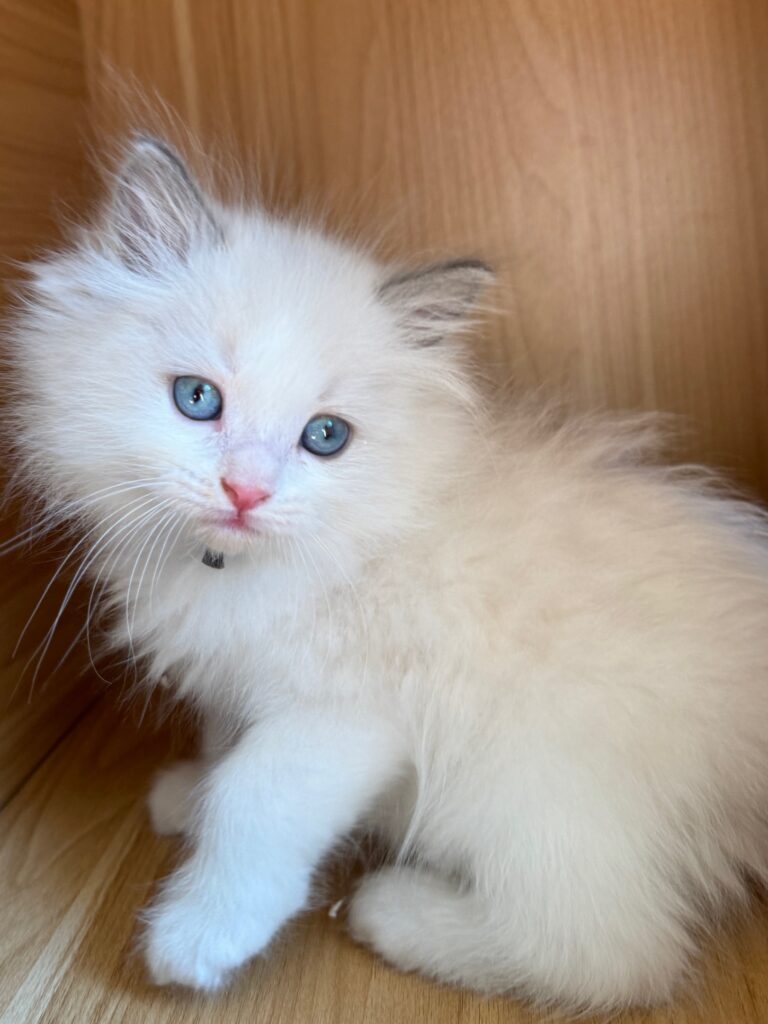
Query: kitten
{"points": [[532, 663]]}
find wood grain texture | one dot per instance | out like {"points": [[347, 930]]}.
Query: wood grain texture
{"points": [[42, 120], [610, 157], [42, 116], [77, 862], [37, 705]]}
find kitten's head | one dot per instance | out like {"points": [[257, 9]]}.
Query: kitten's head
{"points": [[242, 380]]}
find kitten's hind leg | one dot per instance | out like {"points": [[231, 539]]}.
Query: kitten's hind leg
{"points": [[420, 922], [582, 955]]}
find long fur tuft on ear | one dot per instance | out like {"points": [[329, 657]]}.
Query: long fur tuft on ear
{"points": [[155, 212], [438, 300]]}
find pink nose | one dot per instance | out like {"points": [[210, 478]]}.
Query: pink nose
{"points": [[244, 496]]}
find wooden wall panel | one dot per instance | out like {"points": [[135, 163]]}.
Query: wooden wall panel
{"points": [[42, 120], [42, 133], [611, 156]]}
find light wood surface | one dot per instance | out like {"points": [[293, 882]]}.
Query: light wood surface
{"points": [[36, 710], [609, 156]]}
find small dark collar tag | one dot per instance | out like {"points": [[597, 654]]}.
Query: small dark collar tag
{"points": [[213, 559]]}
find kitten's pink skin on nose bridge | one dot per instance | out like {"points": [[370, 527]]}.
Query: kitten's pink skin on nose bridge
{"points": [[244, 496]]}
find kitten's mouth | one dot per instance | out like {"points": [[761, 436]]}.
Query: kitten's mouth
{"points": [[233, 522], [229, 532]]}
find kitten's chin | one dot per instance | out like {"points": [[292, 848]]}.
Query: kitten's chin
{"points": [[227, 545], [230, 539]]}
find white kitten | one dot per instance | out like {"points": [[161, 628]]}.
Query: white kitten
{"points": [[537, 666]]}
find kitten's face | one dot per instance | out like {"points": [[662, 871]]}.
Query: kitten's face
{"points": [[194, 372]]}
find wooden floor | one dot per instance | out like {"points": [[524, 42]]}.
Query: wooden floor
{"points": [[78, 861]]}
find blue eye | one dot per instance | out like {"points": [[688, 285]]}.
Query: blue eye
{"points": [[197, 398], [325, 435]]}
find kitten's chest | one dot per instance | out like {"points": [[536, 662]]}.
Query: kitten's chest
{"points": [[237, 636]]}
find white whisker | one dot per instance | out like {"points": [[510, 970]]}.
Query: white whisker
{"points": [[95, 599], [59, 514], [165, 555], [66, 560], [82, 569], [153, 535]]}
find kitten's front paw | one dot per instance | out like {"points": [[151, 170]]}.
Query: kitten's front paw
{"points": [[182, 947], [171, 799], [197, 938]]}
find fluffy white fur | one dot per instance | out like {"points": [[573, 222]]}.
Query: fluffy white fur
{"points": [[536, 665]]}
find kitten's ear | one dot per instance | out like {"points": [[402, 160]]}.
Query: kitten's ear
{"points": [[155, 212], [438, 300]]}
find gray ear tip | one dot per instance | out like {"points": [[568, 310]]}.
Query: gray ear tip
{"points": [[144, 150], [140, 139], [145, 141], [482, 268], [475, 270]]}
